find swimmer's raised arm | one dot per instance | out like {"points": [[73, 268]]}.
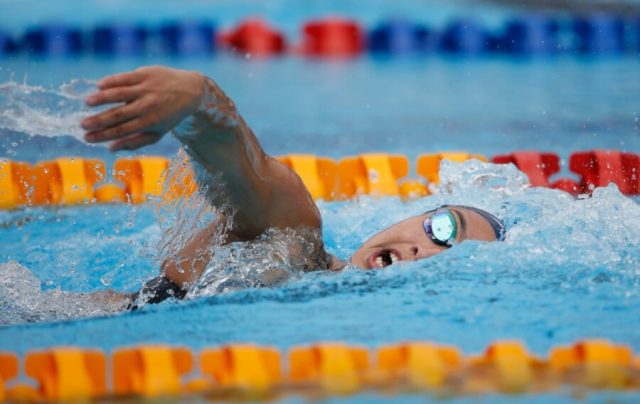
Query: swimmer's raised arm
{"points": [[154, 100]]}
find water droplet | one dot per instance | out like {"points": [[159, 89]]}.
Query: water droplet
{"points": [[105, 280]]}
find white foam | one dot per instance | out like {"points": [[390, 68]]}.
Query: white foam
{"points": [[35, 110], [23, 300], [551, 237]]}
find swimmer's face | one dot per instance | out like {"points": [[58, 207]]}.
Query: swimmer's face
{"points": [[408, 241]]}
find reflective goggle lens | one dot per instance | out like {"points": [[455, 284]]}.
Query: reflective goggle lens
{"points": [[441, 227]]}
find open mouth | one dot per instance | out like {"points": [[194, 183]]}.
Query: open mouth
{"points": [[384, 258]]}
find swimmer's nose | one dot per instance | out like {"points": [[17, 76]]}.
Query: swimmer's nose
{"points": [[417, 252], [414, 252], [411, 253]]}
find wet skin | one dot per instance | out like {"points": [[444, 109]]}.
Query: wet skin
{"points": [[262, 192], [408, 241]]}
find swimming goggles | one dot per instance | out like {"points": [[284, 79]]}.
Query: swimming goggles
{"points": [[441, 227]]}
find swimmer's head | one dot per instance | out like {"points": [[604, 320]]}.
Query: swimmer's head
{"points": [[427, 234]]}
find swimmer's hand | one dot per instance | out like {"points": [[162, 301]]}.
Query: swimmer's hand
{"points": [[152, 101]]}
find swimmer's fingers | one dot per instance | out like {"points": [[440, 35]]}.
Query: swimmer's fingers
{"points": [[135, 141], [121, 80], [112, 95], [112, 117], [118, 131]]}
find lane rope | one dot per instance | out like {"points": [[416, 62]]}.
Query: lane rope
{"points": [[74, 180]]}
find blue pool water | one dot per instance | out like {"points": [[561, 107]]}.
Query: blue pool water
{"points": [[569, 269], [335, 108]]}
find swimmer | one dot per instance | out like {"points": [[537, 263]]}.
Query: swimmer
{"points": [[261, 193]]}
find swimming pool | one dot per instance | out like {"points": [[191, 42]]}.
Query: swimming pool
{"points": [[568, 270]]}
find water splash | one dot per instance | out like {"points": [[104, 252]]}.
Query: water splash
{"points": [[23, 300], [51, 112], [182, 217], [583, 247], [274, 258], [548, 232], [474, 176]]}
